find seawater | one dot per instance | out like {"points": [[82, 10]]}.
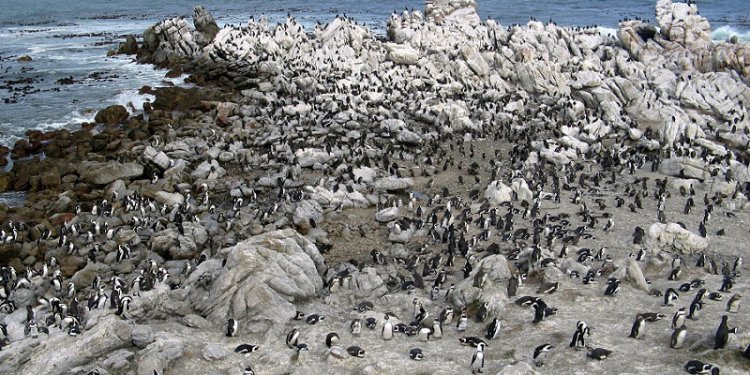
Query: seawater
{"points": [[70, 40]]}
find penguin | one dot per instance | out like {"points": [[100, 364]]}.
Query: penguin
{"points": [[578, 340], [598, 354], [513, 284], [298, 349], [248, 371], [387, 329], [746, 353], [613, 286], [477, 360], [332, 339], [292, 338], [314, 318], [695, 308], [416, 354], [424, 334], [678, 337], [471, 341], [371, 323], [733, 305], [299, 315], [437, 329], [698, 367], [483, 312], [670, 296], [652, 317], [232, 327], [246, 348], [722, 334], [463, 321], [493, 330], [355, 327], [541, 353], [638, 325], [679, 318], [355, 351]]}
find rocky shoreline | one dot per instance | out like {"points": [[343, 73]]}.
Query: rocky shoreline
{"points": [[316, 179]]}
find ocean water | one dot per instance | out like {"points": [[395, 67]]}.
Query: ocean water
{"points": [[68, 41]]}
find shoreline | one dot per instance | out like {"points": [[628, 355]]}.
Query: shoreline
{"points": [[343, 175]]}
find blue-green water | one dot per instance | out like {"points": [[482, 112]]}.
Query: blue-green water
{"points": [[69, 39]]}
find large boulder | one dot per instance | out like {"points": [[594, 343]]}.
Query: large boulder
{"points": [[98, 173], [674, 238], [114, 114], [205, 25], [262, 279]]}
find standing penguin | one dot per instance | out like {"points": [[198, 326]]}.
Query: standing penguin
{"points": [[437, 329], [477, 360], [463, 321], [493, 330], [387, 329], [232, 327], [678, 337], [355, 327], [722, 334], [733, 305], [679, 318], [669, 296], [292, 338], [638, 325]]}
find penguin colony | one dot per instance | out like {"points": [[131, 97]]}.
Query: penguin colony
{"points": [[467, 264]]}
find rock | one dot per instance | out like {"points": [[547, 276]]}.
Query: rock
{"points": [[214, 352], [86, 276], [408, 137], [99, 173], [402, 54], [110, 334], [208, 171], [306, 213], [170, 199], [205, 25], [129, 47], [114, 114], [672, 237], [155, 158], [392, 183], [387, 214], [262, 277], [308, 157], [24, 58], [520, 368], [497, 192], [142, 335], [62, 205]]}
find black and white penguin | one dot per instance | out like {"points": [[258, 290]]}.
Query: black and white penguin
{"points": [[246, 348], [613, 286], [578, 340], [670, 296], [698, 367], [387, 333], [424, 334], [355, 327], [463, 321], [416, 354], [248, 371], [472, 341], [541, 353], [652, 317], [371, 323], [638, 327], [314, 318], [355, 351], [332, 339], [733, 305], [493, 330], [695, 308], [722, 334], [477, 359], [292, 338], [298, 349], [299, 315], [598, 354], [232, 327], [483, 312], [678, 337], [679, 318]]}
